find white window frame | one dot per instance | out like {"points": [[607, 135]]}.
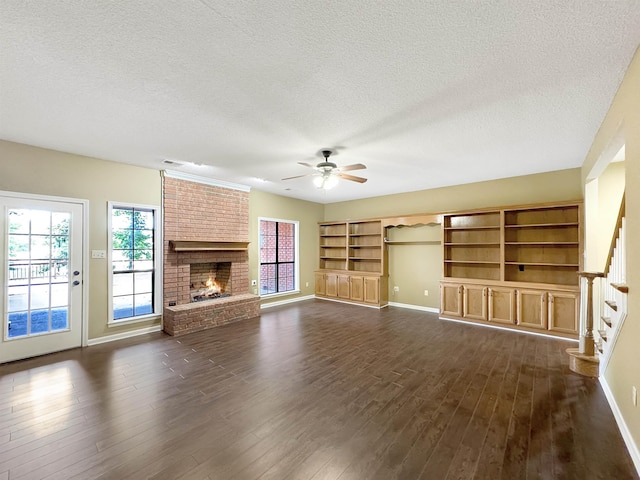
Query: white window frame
{"points": [[296, 261], [157, 263]]}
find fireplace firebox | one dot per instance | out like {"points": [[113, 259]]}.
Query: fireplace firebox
{"points": [[209, 281]]}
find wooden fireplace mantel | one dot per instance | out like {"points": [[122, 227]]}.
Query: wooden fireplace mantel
{"points": [[206, 246]]}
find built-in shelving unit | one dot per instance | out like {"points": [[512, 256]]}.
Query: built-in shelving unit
{"points": [[522, 262], [542, 245], [472, 245], [365, 246], [333, 246], [353, 263]]}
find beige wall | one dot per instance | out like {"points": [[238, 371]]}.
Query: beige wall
{"points": [[610, 192], [623, 119], [542, 187], [35, 170], [263, 204], [412, 281]]}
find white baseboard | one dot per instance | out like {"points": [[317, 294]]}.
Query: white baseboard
{"points": [[624, 430], [123, 335], [414, 307], [513, 330], [285, 302], [350, 303]]}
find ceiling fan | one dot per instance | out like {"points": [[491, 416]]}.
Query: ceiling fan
{"points": [[327, 173]]}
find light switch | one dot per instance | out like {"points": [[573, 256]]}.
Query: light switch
{"points": [[98, 254]]}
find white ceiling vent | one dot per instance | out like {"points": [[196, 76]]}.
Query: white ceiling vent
{"points": [[172, 162]]}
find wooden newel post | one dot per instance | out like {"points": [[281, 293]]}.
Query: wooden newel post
{"points": [[587, 344]]}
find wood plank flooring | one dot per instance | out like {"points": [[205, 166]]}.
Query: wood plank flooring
{"points": [[311, 391]]}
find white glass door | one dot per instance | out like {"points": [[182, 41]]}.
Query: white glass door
{"points": [[41, 250]]}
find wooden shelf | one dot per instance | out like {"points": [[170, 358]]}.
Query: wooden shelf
{"points": [[543, 225], [560, 244], [540, 264], [472, 244], [472, 261], [415, 242], [493, 227]]}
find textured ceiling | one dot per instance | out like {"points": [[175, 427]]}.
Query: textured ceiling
{"points": [[426, 94]]}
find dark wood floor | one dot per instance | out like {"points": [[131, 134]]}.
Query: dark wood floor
{"points": [[317, 390]]}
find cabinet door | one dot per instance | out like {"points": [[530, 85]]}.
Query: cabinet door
{"points": [[501, 305], [474, 302], [531, 308], [357, 288], [321, 286], [343, 286], [451, 299], [372, 289], [563, 312], [331, 280]]}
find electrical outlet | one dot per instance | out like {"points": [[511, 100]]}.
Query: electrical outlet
{"points": [[254, 283], [98, 254], [426, 293], [255, 291], [307, 284], [396, 288], [634, 396]]}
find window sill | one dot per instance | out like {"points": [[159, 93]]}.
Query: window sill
{"points": [[279, 294], [131, 320]]}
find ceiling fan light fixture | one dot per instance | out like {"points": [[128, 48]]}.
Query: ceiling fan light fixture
{"points": [[325, 181], [327, 173]]}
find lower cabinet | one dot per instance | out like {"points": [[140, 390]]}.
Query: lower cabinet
{"points": [[501, 305], [372, 290], [474, 302], [321, 284], [331, 288], [451, 299], [357, 288], [530, 308], [344, 290], [564, 308]]}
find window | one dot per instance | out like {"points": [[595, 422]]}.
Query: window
{"points": [[134, 257], [278, 256]]}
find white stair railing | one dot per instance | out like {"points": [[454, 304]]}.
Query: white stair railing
{"points": [[614, 306]]}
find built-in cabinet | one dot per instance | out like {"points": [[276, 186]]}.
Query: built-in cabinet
{"points": [[550, 310], [515, 266], [365, 289], [353, 262]]}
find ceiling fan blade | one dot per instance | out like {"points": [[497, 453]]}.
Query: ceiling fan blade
{"points": [[306, 164], [355, 166], [353, 178], [298, 176]]}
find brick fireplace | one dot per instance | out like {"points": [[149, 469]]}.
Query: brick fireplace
{"points": [[206, 233]]}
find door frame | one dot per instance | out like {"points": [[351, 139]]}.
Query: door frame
{"points": [[84, 205]]}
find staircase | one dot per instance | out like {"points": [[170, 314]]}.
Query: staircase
{"points": [[595, 349]]}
